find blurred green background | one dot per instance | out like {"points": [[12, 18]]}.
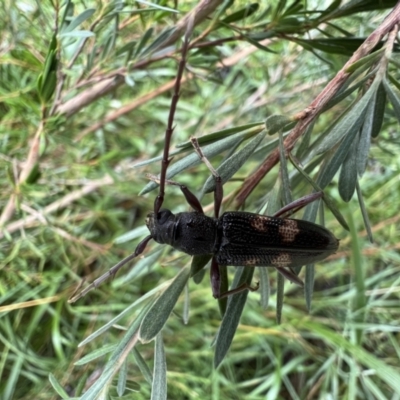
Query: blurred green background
{"points": [[84, 96]]}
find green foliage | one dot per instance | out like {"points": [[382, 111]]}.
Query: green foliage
{"points": [[84, 101]]}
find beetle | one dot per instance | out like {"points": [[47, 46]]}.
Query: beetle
{"points": [[234, 238], [242, 238]]}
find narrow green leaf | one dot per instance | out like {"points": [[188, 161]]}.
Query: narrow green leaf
{"points": [[279, 9], [310, 214], [143, 41], [141, 363], [364, 140], [67, 13], [359, 6], [118, 356], [159, 386], [276, 123], [289, 25], [382, 370], [364, 213], [218, 135], [223, 303], [232, 315], [274, 199], [126, 48], [348, 173], [78, 20], [241, 14], [327, 200], [309, 285], [136, 233], [124, 313], [158, 7], [264, 287], [379, 112], [122, 377], [333, 164], [373, 388], [295, 8], [157, 316], [304, 143], [186, 305], [232, 164], [198, 263], [366, 61], [345, 91], [77, 34], [344, 46], [47, 79], [49, 86], [198, 278], [159, 40], [391, 78], [393, 98], [193, 159], [58, 387], [96, 354], [284, 173], [359, 300], [348, 125], [257, 44], [269, 146], [280, 293]]}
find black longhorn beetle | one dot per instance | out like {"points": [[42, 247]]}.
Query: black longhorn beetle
{"points": [[234, 238]]}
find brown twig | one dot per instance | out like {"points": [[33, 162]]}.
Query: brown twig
{"points": [[311, 112], [31, 162]]}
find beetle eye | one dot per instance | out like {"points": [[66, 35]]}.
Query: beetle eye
{"points": [[163, 215]]}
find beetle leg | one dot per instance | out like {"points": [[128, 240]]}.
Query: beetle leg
{"points": [[219, 191], [189, 196], [239, 289], [192, 200], [290, 276], [215, 278], [296, 205], [111, 272]]}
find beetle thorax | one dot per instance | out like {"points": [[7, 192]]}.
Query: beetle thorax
{"points": [[162, 226], [191, 232]]}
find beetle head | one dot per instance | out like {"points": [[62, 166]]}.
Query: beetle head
{"points": [[161, 226]]}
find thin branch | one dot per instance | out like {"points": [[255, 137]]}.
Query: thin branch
{"points": [[28, 167]]}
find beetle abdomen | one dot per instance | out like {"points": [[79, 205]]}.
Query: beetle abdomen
{"points": [[258, 240]]}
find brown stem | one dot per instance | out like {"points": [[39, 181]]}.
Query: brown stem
{"points": [[31, 162]]}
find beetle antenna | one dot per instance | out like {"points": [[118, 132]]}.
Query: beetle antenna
{"points": [[170, 128], [111, 272], [162, 180]]}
